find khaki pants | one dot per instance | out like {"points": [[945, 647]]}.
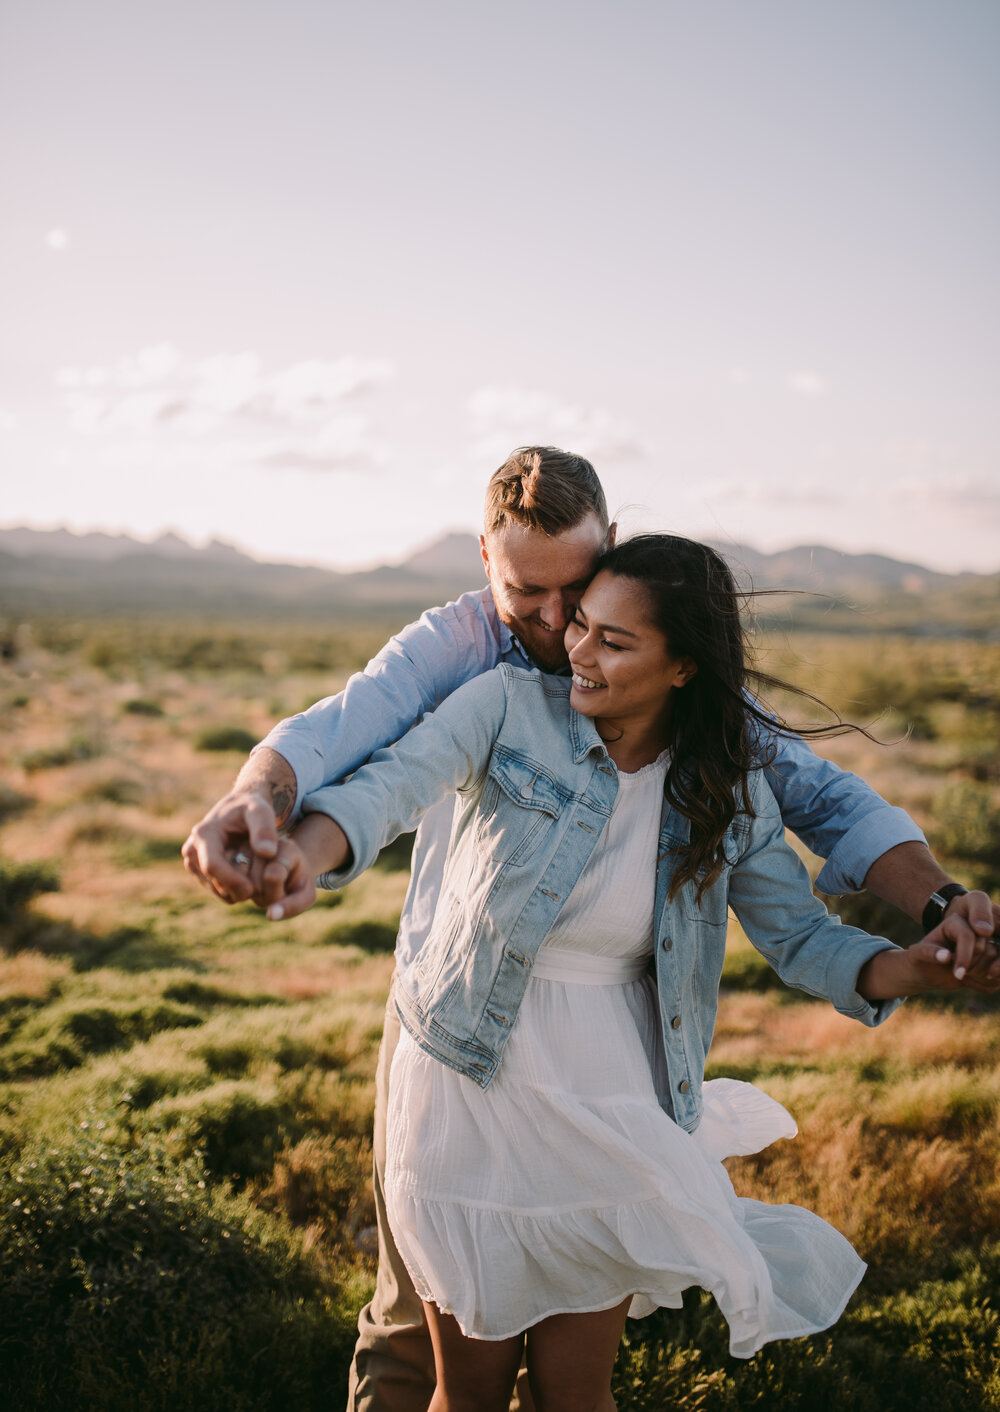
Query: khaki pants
{"points": [[393, 1367]]}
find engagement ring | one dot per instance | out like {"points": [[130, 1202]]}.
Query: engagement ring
{"points": [[241, 859]]}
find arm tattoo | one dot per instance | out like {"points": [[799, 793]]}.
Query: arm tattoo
{"points": [[282, 799]]}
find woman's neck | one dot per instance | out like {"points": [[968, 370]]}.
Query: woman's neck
{"points": [[631, 746]]}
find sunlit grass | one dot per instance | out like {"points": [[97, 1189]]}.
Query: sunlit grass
{"points": [[149, 1036]]}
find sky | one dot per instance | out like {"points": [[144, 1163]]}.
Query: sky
{"points": [[299, 274]]}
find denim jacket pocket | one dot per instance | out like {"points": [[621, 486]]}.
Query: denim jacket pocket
{"points": [[520, 803]]}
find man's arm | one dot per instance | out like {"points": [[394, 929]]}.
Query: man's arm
{"points": [[907, 875], [410, 676], [868, 844]]}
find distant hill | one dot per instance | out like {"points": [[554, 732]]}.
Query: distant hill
{"points": [[57, 571]]}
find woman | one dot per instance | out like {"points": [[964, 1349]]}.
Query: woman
{"points": [[553, 1153]]}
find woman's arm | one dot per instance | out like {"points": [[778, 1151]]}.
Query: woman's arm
{"points": [[346, 824]]}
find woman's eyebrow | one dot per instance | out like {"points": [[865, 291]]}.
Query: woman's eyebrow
{"points": [[606, 627], [622, 632]]}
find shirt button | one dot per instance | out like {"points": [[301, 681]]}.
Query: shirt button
{"points": [[684, 1087], [675, 1023], [667, 943]]}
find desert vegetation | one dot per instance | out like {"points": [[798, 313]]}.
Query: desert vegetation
{"points": [[186, 1090]]}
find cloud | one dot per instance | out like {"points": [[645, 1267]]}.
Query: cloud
{"points": [[343, 444], [948, 495], [505, 417], [756, 491], [808, 383], [57, 239], [290, 416]]}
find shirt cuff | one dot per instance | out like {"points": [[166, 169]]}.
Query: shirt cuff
{"points": [[847, 866]]}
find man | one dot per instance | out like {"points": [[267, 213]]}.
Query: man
{"points": [[546, 521]]}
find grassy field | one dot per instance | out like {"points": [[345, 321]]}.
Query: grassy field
{"points": [[186, 1090]]}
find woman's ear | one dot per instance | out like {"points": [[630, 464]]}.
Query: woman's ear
{"points": [[686, 669]]}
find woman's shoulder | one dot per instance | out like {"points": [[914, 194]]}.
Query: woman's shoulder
{"points": [[527, 681]]}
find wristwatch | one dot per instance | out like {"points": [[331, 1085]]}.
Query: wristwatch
{"points": [[933, 913]]}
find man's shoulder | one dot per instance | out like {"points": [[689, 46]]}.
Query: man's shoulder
{"points": [[473, 613]]}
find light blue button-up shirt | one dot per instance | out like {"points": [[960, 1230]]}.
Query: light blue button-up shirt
{"points": [[835, 813], [535, 789]]}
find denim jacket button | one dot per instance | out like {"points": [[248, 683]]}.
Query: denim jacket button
{"points": [[667, 943], [675, 1023], [684, 1086]]}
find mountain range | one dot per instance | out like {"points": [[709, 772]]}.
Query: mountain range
{"points": [[61, 571]]}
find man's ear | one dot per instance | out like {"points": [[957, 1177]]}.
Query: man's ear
{"points": [[485, 553], [612, 534]]}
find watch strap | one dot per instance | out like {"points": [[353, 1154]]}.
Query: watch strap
{"points": [[933, 913]]}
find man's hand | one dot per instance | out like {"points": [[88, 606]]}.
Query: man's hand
{"points": [[971, 929], [247, 817], [907, 875]]}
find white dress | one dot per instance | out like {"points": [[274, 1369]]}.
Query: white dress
{"points": [[565, 1187]]}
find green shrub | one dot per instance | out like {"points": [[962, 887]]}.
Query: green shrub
{"points": [[113, 789], [367, 936], [20, 882], [140, 706], [77, 748], [12, 802], [395, 857], [226, 738], [235, 1128], [127, 1282], [747, 970], [967, 827], [63, 1035]]}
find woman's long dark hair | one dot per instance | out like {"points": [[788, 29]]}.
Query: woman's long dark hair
{"points": [[714, 744]]}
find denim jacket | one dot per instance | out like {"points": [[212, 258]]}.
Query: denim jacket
{"points": [[836, 815], [536, 787]]}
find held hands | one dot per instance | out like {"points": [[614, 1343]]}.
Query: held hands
{"points": [[285, 885], [242, 822], [934, 964], [970, 921]]}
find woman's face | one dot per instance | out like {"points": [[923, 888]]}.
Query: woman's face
{"points": [[622, 667]]}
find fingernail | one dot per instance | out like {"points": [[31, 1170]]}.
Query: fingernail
{"points": [[276, 912], [959, 973], [942, 954]]}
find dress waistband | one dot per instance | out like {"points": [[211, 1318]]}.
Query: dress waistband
{"points": [[552, 963]]}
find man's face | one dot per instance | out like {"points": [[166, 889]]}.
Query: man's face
{"points": [[537, 580]]}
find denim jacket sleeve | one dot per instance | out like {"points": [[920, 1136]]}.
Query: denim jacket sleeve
{"points": [[411, 675], [770, 893], [449, 750], [834, 813]]}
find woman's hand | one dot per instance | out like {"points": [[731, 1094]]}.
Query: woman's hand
{"points": [[285, 885]]}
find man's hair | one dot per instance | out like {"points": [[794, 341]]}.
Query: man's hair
{"points": [[543, 488]]}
